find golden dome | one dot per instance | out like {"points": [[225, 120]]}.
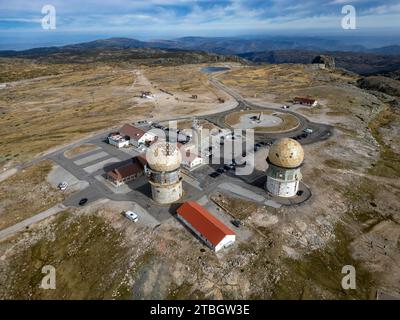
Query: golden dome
{"points": [[162, 157], [286, 153]]}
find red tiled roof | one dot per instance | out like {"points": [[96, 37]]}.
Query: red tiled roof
{"points": [[304, 100], [141, 158], [131, 131], [204, 222], [125, 171]]}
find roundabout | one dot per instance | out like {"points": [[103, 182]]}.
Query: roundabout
{"points": [[262, 121]]}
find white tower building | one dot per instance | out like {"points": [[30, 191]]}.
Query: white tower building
{"points": [[164, 160], [198, 135], [285, 158]]}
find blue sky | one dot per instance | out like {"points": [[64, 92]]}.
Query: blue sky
{"points": [[150, 19]]}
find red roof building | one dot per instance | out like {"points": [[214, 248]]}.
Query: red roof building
{"points": [[126, 172], [137, 135], [306, 101], [132, 132], [212, 231]]}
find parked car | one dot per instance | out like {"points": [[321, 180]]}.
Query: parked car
{"points": [[131, 216], [236, 223], [63, 185], [83, 201], [221, 170], [300, 192], [214, 174], [308, 130]]}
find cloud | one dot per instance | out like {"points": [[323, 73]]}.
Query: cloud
{"points": [[189, 15]]}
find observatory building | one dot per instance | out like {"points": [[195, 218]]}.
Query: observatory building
{"points": [[285, 158], [164, 160]]}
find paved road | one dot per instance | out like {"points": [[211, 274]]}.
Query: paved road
{"points": [[5, 233], [320, 131]]}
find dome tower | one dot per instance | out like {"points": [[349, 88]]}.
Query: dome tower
{"points": [[285, 158], [164, 160]]}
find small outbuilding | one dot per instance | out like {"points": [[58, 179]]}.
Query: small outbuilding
{"points": [[305, 101], [117, 140]]}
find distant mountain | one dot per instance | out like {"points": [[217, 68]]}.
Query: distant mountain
{"points": [[230, 45], [118, 52], [356, 58], [117, 43], [358, 62], [389, 50]]}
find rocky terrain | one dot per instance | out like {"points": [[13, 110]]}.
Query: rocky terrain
{"points": [[383, 84]]}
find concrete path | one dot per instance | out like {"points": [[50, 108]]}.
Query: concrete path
{"points": [[8, 173], [10, 231]]}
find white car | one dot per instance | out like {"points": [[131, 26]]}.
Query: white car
{"points": [[131, 216], [63, 186], [308, 130]]}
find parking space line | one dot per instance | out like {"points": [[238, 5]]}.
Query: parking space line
{"points": [[91, 158]]}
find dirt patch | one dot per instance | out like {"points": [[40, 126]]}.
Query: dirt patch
{"points": [[83, 148]]}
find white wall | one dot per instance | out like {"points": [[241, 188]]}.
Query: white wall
{"points": [[227, 241]]}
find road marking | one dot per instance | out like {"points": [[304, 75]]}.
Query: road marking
{"points": [[91, 158], [100, 165]]}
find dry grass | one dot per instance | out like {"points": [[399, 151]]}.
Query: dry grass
{"points": [[186, 79], [283, 81], [40, 114], [89, 256], [19, 69], [27, 193], [388, 164]]}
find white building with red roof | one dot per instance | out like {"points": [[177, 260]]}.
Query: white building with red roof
{"points": [[137, 136], [306, 101], [207, 227], [190, 158]]}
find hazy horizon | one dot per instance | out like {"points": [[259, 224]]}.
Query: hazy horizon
{"points": [[377, 22]]}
